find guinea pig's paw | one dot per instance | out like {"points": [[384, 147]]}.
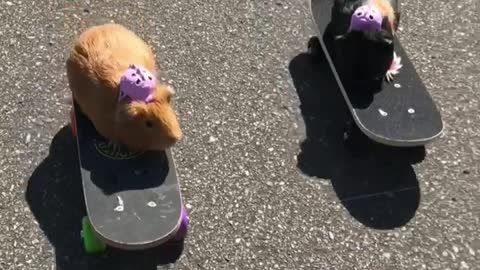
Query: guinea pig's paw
{"points": [[397, 61], [394, 68], [390, 75]]}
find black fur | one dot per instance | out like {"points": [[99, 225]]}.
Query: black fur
{"points": [[359, 56]]}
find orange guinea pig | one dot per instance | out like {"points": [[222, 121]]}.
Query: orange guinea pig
{"points": [[110, 72]]}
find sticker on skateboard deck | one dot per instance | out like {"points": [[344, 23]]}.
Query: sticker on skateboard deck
{"points": [[399, 112], [133, 199]]}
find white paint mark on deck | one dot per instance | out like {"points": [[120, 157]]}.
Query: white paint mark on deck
{"points": [[152, 204], [120, 206]]}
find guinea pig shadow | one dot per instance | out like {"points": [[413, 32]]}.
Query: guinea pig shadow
{"points": [[55, 197], [379, 188]]}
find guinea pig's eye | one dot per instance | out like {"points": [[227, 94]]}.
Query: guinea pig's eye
{"points": [[149, 123]]}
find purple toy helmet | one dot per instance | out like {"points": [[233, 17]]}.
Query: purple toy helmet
{"points": [[137, 83], [366, 17]]}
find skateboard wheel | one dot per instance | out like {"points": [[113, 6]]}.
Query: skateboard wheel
{"points": [[90, 242], [182, 231]]}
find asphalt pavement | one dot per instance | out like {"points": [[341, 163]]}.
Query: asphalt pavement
{"points": [[266, 180]]}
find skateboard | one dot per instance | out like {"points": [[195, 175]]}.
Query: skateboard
{"points": [[132, 199], [400, 114]]}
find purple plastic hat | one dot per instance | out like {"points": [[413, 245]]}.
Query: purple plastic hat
{"points": [[366, 17], [137, 83]]}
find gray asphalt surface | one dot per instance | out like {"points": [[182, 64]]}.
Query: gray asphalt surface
{"points": [[264, 175]]}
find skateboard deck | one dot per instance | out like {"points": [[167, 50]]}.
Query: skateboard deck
{"points": [[133, 200], [402, 113]]}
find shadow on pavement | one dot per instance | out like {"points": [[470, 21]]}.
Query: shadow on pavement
{"points": [[55, 197], [379, 188]]}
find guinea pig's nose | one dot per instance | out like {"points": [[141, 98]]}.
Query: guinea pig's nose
{"points": [[176, 134]]}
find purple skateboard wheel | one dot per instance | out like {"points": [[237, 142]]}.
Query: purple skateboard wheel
{"points": [[182, 231]]}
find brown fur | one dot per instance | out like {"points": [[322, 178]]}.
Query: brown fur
{"points": [[99, 57], [386, 10]]}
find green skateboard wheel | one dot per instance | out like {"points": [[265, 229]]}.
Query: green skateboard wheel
{"points": [[90, 242]]}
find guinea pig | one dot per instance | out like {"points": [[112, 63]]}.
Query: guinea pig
{"points": [[360, 36], [111, 74]]}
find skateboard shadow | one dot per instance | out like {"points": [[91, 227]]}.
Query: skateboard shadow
{"points": [[379, 189], [55, 197]]}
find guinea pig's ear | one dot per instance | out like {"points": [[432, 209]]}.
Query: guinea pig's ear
{"points": [[387, 25], [165, 92], [169, 93], [170, 89], [132, 110], [397, 20]]}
